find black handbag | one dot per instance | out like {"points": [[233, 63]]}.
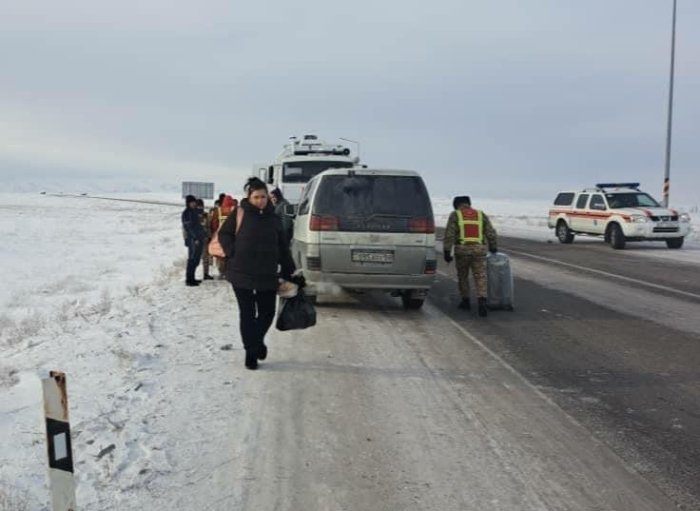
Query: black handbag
{"points": [[296, 313]]}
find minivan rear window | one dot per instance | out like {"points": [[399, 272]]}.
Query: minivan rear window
{"points": [[564, 199], [374, 203]]}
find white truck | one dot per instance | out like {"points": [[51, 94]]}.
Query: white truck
{"points": [[301, 160]]}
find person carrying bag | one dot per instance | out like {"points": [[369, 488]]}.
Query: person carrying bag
{"points": [[255, 246]]}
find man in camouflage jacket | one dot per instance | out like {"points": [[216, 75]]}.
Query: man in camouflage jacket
{"points": [[469, 231]]}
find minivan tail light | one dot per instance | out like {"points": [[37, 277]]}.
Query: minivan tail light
{"points": [[430, 267], [323, 223], [421, 225]]}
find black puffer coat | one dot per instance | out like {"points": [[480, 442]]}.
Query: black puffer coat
{"points": [[254, 255]]}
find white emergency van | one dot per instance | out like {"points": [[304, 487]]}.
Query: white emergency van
{"points": [[619, 212]]}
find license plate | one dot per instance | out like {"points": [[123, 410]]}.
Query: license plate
{"points": [[666, 224], [373, 256]]}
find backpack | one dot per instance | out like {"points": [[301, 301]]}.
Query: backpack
{"points": [[215, 247]]}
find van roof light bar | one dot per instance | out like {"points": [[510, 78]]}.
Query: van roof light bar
{"points": [[602, 186]]}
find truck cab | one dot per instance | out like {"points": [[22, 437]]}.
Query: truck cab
{"points": [[301, 160]]}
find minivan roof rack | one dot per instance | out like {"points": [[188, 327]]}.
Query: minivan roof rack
{"points": [[602, 186]]}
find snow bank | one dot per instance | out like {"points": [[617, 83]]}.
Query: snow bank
{"points": [[95, 289]]}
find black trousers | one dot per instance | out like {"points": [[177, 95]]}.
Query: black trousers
{"points": [[194, 255], [257, 311]]}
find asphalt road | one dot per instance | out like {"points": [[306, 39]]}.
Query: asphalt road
{"points": [[586, 397], [614, 340], [377, 408]]}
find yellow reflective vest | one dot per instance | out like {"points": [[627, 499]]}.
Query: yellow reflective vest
{"points": [[471, 226]]}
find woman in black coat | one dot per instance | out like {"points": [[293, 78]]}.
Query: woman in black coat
{"points": [[256, 247]]}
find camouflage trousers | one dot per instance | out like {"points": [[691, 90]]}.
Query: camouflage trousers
{"points": [[221, 265], [206, 258], [471, 258]]}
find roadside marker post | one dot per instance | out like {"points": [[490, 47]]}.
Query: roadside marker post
{"points": [[58, 442]]}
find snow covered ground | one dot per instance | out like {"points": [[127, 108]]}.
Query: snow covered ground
{"points": [[94, 288], [88, 288]]}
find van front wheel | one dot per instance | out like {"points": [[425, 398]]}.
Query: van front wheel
{"points": [[617, 237], [674, 242]]}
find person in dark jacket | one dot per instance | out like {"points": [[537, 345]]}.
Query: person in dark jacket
{"points": [[282, 207], [194, 238], [255, 245]]}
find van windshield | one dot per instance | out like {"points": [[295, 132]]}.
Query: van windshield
{"points": [[631, 200], [303, 171], [373, 203]]}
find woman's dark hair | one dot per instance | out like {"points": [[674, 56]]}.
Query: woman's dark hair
{"points": [[253, 184]]}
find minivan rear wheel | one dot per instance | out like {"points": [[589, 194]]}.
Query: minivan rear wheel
{"points": [[410, 302]]}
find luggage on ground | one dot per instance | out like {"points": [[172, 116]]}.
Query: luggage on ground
{"points": [[500, 282]]}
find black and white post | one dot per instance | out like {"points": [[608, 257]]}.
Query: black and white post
{"points": [[58, 442]]}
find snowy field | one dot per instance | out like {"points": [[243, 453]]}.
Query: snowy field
{"points": [[95, 288]]}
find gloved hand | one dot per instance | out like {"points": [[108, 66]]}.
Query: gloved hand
{"points": [[298, 279], [448, 257], [493, 250]]}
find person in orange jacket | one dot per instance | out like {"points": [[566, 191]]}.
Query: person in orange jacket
{"points": [[228, 204]]}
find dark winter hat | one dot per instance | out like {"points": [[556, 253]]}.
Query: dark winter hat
{"points": [[190, 198], [461, 200]]}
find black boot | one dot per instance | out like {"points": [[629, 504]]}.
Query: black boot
{"points": [[464, 304], [251, 359], [483, 310], [208, 277], [262, 352], [191, 283]]}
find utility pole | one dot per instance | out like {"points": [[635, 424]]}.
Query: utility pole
{"points": [[667, 175]]}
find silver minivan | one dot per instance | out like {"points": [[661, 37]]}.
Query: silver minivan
{"points": [[365, 229]]}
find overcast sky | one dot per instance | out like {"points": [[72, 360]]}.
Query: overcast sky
{"points": [[493, 98]]}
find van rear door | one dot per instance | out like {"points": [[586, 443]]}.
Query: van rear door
{"points": [[373, 223]]}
